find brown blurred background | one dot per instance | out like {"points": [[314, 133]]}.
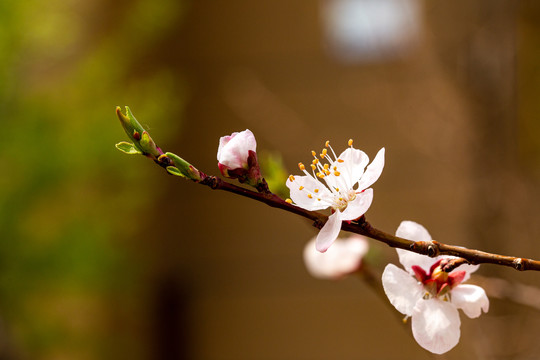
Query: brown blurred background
{"points": [[104, 256]]}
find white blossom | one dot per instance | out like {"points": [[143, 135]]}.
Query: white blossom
{"points": [[340, 184], [431, 296]]}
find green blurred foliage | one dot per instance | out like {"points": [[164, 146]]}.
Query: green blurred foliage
{"points": [[66, 197]]}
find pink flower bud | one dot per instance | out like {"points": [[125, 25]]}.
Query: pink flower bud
{"points": [[237, 157]]}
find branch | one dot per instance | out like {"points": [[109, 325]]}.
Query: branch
{"points": [[362, 227]]}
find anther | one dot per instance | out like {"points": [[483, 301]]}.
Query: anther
{"points": [[326, 166], [337, 173], [301, 188], [335, 168], [315, 161], [291, 178], [327, 143], [337, 189], [309, 196], [313, 167], [316, 190], [313, 153], [323, 153], [301, 166], [288, 201], [327, 172], [350, 142], [340, 161], [321, 175]]}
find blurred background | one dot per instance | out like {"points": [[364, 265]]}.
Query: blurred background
{"points": [[104, 256]]}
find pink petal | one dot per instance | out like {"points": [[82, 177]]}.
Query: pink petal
{"points": [[471, 299], [358, 206], [373, 171], [234, 150], [402, 289], [435, 325], [329, 232], [412, 231], [309, 184]]}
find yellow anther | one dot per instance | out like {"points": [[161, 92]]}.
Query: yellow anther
{"points": [[313, 153], [321, 175], [315, 161], [316, 190], [326, 166], [309, 196], [327, 143], [313, 167], [301, 188], [340, 199], [337, 173], [350, 142], [327, 172], [291, 178], [288, 201], [323, 152], [301, 166], [319, 199], [335, 168], [340, 161], [337, 189]]}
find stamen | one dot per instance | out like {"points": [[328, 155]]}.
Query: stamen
{"points": [[327, 172], [337, 189], [316, 190], [313, 153], [337, 173], [288, 201], [350, 142], [291, 178], [301, 166], [313, 167], [335, 168], [323, 153], [301, 188], [315, 161], [309, 196], [326, 166], [340, 199], [321, 175], [340, 161], [327, 143], [319, 199]]}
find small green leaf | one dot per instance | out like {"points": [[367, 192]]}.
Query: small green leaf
{"points": [[185, 168], [174, 171], [128, 148]]}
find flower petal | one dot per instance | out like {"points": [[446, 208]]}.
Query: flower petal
{"points": [[308, 185], [358, 206], [402, 289], [329, 232], [342, 258], [351, 164], [373, 171], [412, 231], [234, 150], [471, 299], [435, 325], [409, 259]]}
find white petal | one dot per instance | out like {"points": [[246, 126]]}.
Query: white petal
{"points": [[412, 231], [342, 258], [309, 184], [329, 232], [373, 171], [358, 206], [402, 289], [471, 299], [435, 325], [351, 167], [233, 151], [409, 258]]}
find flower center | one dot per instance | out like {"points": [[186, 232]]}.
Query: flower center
{"points": [[436, 282]]}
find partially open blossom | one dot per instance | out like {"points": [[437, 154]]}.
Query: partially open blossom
{"points": [[237, 157], [343, 258], [431, 296], [340, 184]]}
